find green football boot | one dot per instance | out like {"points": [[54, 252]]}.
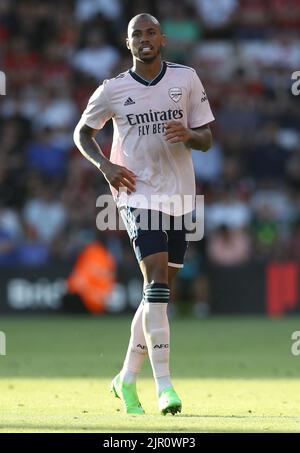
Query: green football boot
{"points": [[128, 395], [169, 402]]}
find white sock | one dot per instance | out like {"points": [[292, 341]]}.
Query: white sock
{"points": [[137, 349], [128, 376], [162, 383], [157, 333]]}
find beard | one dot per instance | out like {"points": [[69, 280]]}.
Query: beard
{"points": [[149, 58]]}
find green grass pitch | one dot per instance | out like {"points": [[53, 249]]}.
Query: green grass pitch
{"points": [[233, 375]]}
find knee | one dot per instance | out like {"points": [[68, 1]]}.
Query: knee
{"points": [[155, 268], [158, 274]]}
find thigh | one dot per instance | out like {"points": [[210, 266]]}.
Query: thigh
{"points": [[172, 272], [147, 238], [155, 268], [177, 247]]}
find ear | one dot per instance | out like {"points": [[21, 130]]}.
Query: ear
{"points": [[164, 40], [127, 43]]}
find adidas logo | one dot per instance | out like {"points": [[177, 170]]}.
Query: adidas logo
{"points": [[129, 101]]}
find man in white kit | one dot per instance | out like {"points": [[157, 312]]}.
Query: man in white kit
{"points": [[160, 112]]}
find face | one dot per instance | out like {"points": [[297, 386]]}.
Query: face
{"points": [[145, 40]]}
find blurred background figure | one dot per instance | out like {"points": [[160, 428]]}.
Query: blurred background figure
{"points": [[55, 54]]}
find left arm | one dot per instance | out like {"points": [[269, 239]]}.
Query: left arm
{"points": [[199, 138]]}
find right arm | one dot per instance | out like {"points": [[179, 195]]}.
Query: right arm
{"points": [[116, 175]]}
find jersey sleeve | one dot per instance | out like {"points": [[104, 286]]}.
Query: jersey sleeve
{"points": [[98, 110], [199, 111]]}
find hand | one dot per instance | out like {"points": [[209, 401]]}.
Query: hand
{"points": [[119, 176], [175, 132]]}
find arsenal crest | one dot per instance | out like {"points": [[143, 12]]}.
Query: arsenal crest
{"points": [[175, 94]]}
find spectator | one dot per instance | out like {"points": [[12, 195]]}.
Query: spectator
{"points": [[182, 31], [87, 9], [47, 158], [216, 13], [45, 214], [268, 243], [228, 247], [32, 251], [208, 166], [97, 58], [267, 159], [227, 210], [54, 58], [10, 235]]}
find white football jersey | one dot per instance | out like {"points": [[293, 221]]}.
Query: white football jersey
{"points": [[139, 109]]}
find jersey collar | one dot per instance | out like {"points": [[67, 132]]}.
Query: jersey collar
{"points": [[149, 83]]}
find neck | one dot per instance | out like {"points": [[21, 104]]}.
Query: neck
{"points": [[147, 71]]}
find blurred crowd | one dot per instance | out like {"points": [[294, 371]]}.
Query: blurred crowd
{"points": [[54, 55]]}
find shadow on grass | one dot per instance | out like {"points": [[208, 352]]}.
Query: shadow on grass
{"points": [[215, 428]]}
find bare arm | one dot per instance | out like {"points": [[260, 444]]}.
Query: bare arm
{"points": [[84, 138], [116, 175], [200, 138]]}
